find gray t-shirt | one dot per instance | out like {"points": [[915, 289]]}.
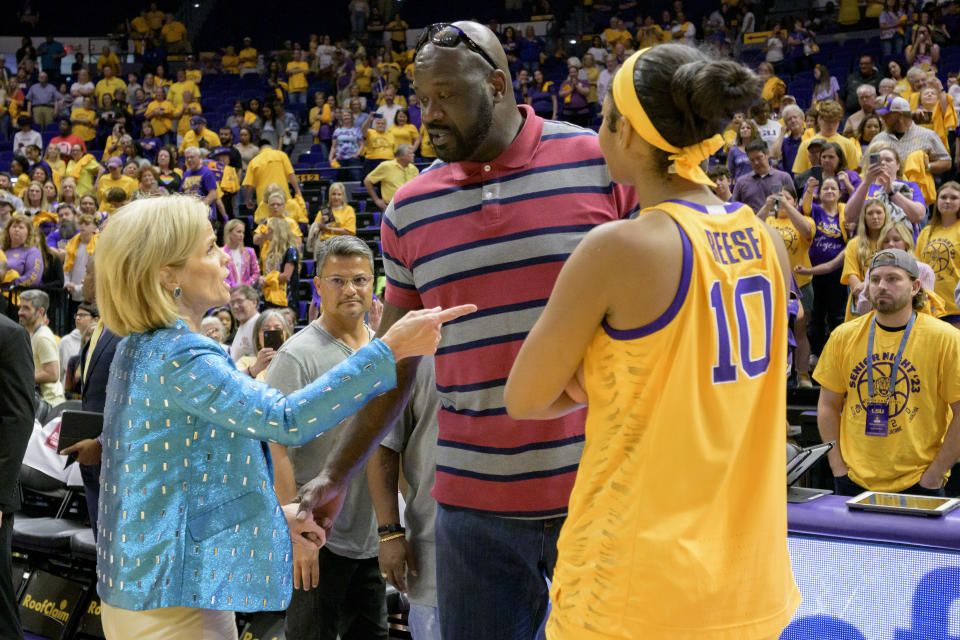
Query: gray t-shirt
{"points": [[301, 360], [415, 438]]}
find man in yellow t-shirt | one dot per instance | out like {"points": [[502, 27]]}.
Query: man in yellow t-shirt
{"points": [[248, 57], [191, 72], [269, 166], [155, 17], [108, 59], [198, 131], [391, 175], [895, 433], [84, 120], [140, 31], [109, 84], [115, 178], [175, 93], [174, 35], [160, 113], [182, 116], [617, 33], [297, 78], [830, 113], [230, 61]]}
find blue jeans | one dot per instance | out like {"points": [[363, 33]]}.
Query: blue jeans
{"points": [[844, 486], [297, 97], [424, 622], [492, 575]]}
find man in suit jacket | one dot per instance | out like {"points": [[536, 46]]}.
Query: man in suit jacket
{"points": [[17, 410], [95, 359]]}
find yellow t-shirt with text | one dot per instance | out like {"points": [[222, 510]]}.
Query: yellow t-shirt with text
{"points": [[919, 403], [939, 247], [797, 246], [379, 146]]}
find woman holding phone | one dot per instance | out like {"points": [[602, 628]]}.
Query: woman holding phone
{"points": [[270, 331], [883, 180]]}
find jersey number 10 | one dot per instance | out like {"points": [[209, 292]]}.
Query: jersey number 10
{"points": [[727, 368]]}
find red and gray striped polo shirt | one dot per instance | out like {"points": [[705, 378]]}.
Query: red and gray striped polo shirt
{"points": [[496, 234]]}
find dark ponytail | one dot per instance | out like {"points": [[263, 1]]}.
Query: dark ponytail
{"points": [[689, 96]]}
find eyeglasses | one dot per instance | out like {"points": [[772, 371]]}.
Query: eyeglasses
{"points": [[358, 282], [444, 34], [82, 314]]}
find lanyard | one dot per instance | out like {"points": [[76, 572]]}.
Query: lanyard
{"points": [[896, 362]]}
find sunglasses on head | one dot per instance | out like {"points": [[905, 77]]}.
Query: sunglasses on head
{"points": [[444, 34]]}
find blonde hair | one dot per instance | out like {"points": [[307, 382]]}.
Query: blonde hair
{"points": [[231, 224], [338, 186], [44, 204], [69, 180], [904, 231], [275, 188], [142, 238], [282, 240], [864, 250]]}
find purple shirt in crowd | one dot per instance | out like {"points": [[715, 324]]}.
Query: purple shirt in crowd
{"points": [[752, 190], [828, 240]]}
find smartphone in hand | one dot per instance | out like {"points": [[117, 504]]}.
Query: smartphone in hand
{"points": [[273, 338]]}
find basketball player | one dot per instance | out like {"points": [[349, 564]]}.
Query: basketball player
{"points": [[677, 520]]}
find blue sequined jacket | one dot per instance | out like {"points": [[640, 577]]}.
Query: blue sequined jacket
{"points": [[188, 516]]}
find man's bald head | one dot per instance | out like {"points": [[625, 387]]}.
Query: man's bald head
{"points": [[486, 40], [467, 107]]}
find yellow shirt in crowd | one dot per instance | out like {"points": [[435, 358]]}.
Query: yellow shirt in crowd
{"points": [[173, 31], [851, 151], [186, 112], [108, 85], [161, 116], [405, 134], [939, 247], [175, 93], [797, 246], [391, 176], [297, 76], [85, 132], [267, 167], [191, 139], [248, 58], [125, 182], [919, 403], [379, 146]]}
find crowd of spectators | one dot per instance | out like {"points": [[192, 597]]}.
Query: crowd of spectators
{"points": [[136, 124]]}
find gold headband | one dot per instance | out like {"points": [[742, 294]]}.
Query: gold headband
{"points": [[685, 161]]}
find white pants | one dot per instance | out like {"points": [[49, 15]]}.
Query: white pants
{"points": [[169, 623]]}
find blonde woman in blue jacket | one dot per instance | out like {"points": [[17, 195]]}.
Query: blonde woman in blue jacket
{"points": [[190, 529]]}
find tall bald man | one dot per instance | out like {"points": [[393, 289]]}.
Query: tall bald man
{"points": [[491, 224]]}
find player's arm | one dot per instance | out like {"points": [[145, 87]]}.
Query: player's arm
{"points": [[949, 453], [581, 299]]}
